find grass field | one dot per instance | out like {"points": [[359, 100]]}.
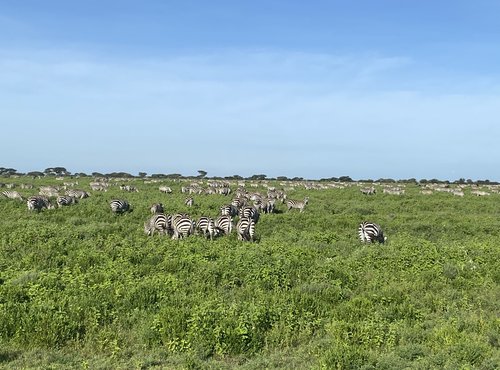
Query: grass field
{"points": [[81, 287]]}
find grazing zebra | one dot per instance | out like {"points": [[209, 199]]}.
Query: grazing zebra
{"points": [[77, 193], [182, 226], [129, 188], [371, 232], [206, 226], [238, 202], [38, 203], [189, 202], [158, 222], [245, 228], [251, 212], [228, 210], [119, 205], [297, 204], [369, 191], [165, 189], [12, 194], [66, 200], [224, 225], [156, 208]]}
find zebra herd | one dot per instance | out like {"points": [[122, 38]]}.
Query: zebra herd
{"points": [[181, 225]]}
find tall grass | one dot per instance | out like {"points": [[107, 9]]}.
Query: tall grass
{"points": [[82, 287]]}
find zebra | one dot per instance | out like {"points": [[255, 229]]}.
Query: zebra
{"points": [[158, 222], [368, 191], [38, 203], [165, 189], [206, 226], [228, 210], [291, 203], [119, 205], [12, 194], [156, 208], [77, 193], [251, 212], [182, 226], [224, 225], [189, 202], [129, 188], [66, 200], [245, 228], [371, 232]]}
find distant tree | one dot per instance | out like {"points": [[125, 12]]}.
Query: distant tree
{"points": [[7, 171], [142, 174], [257, 177], [56, 171], [202, 174], [158, 175], [35, 174], [234, 177], [345, 179], [119, 174], [97, 174], [282, 178], [297, 178], [81, 174], [173, 176]]}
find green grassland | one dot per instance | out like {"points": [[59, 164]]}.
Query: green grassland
{"points": [[81, 287]]}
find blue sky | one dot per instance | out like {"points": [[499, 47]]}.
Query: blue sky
{"points": [[369, 89]]}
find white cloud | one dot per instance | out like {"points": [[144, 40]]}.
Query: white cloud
{"points": [[315, 113]]}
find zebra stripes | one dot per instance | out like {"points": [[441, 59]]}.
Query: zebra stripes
{"points": [[37, 203], [158, 222], [119, 205], [157, 208], [245, 228], [297, 204], [12, 194], [66, 200], [182, 226], [77, 193], [250, 212], [370, 232], [224, 225], [206, 226]]}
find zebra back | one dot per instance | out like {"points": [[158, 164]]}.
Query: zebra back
{"points": [[245, 229], [119, 205], [158, 222], [370, 232]]}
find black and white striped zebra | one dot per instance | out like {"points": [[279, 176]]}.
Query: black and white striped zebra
{"points": [[119, 205], [297, 204], [182, 226], [66, 200], [206, 225], [370, 232], [77, 193], [38, 202], [229, 210], [224, 225], [250, 211], [157, 208], [158, 222], [189, 202], [245, 228], [12, 194]]}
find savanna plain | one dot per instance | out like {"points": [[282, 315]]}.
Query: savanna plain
{"points": [[82, 287]]}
